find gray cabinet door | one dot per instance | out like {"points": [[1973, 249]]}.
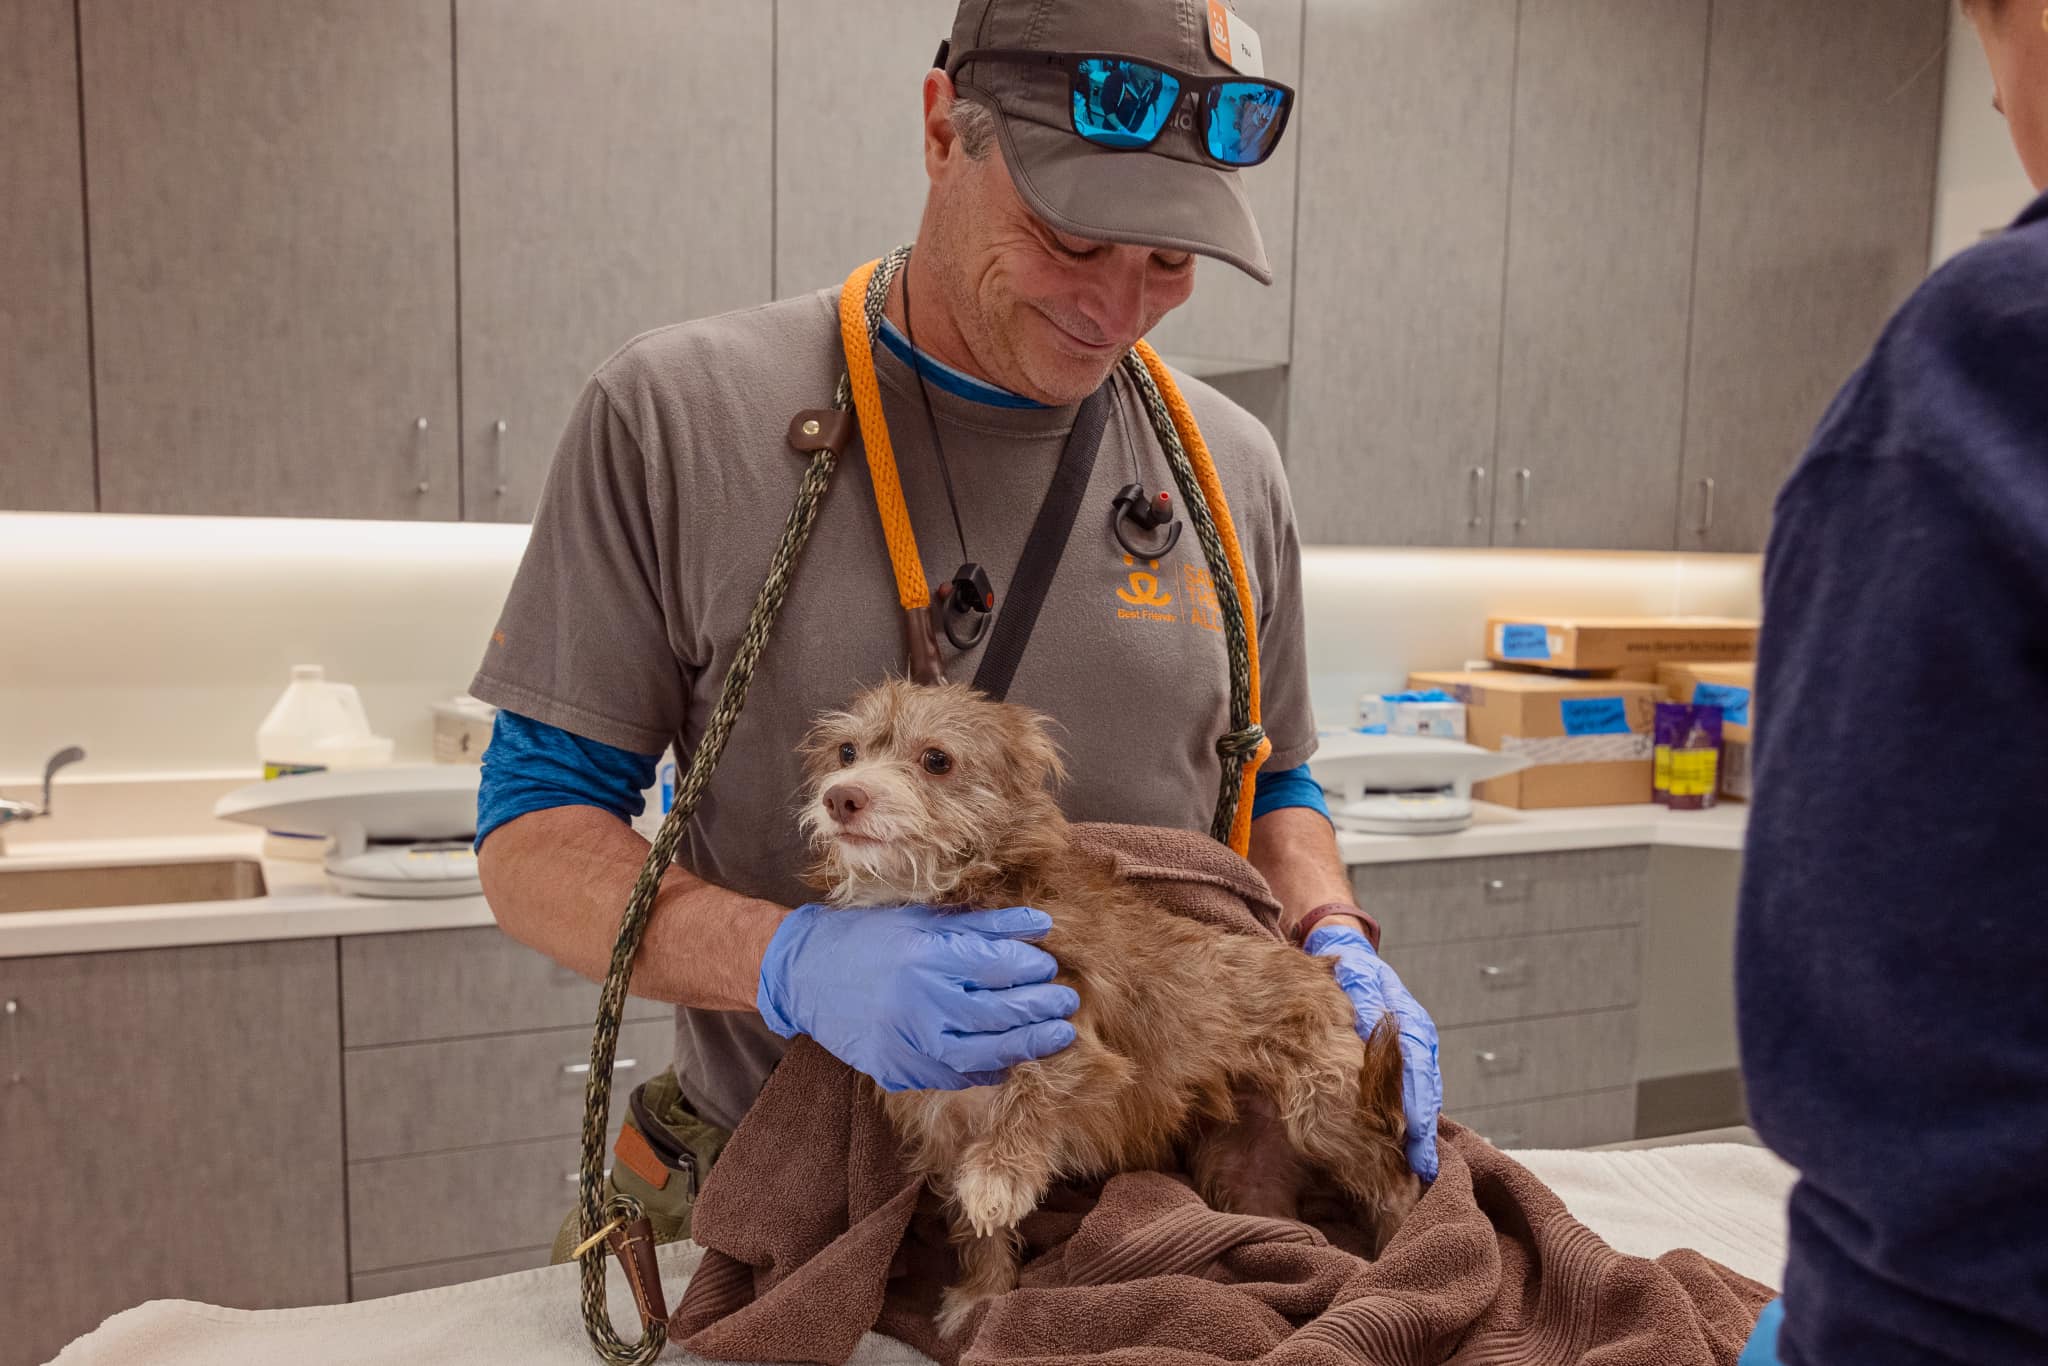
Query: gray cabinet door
{"points": [[272, 213], [849, 131], [1608, 98], [45, 368], [1232, 318], [172, 1130], [1816, 208], [615, 168], [1400, 245]]}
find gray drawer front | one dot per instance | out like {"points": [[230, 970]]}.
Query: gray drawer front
{"points": [[461, 1093], [410, 1210], [1485, 898], [1512, 979], [446, 984], [1562, 1122], [1494, 1064], [458, 1272]]}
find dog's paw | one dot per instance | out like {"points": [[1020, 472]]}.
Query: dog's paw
{"points": [[993, 1203], [956, 1311]]}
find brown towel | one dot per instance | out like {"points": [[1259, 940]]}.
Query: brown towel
{"points": [[815, 1234]]}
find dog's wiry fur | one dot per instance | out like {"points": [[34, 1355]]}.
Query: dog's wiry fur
{"points": [[1234, 1055]]}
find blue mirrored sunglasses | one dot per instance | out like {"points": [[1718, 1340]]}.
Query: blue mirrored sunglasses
{"points": [[1125, 103]]}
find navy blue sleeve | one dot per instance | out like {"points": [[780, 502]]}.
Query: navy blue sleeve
{"points": [[1288, 787], [1892, 950], [532, 766]]}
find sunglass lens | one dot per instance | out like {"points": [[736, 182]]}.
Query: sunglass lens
{"points": [[1244, 121], [1123, 104]]}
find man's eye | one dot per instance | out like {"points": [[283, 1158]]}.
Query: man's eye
{"points": [[847, 754], [1174, 263], [937, 762]]}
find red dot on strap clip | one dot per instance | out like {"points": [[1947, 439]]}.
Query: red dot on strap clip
{"points": [[991, 602], [1163, 498]]}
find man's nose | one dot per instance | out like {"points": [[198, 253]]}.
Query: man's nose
{"points": [[1116, 301], [845, 800]]}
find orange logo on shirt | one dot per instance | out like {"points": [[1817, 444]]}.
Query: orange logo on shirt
{"points": [[1145, 601], [1198, 592]]}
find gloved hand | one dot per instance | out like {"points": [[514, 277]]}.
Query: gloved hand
{"points": [[1375, 991], [918, 999]]}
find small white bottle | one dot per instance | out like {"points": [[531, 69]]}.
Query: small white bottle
{"points": [[316, 725]]}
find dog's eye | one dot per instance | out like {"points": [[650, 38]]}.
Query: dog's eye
{"points": [[937, 762], [847, 754]]}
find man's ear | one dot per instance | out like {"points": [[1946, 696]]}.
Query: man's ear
{"points": [[941, 142]]}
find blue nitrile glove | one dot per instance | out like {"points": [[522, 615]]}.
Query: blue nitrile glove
{"points": [[918, 999], [1375, 991], [1763, 1343]]}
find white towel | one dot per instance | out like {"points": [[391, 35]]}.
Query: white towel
{"points": [[1726, 1200]]}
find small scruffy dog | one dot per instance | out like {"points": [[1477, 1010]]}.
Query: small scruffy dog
{"points": [[1234, 1055]]}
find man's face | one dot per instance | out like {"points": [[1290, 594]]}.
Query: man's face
{"points": [[1044, 314], [2015, 39]]}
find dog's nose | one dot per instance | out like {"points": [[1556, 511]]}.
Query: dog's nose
{"points": [[845, 800]]}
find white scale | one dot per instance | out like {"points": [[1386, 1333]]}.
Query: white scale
{"points": [[398, 831], [1402, 784]]}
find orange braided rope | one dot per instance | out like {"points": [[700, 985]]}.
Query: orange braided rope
{"points": [[912, 589], [1226, 530]]}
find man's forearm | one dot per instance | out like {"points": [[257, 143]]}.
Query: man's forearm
{"points": [[558, 879], [1295, 850]]}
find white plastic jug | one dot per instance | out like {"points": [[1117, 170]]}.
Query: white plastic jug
{"points": [[316, 725]]}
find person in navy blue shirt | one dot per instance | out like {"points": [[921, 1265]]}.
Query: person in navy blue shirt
{"points": [[1892, 950]]}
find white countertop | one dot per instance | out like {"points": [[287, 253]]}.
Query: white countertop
{"points": [[302, 904]]}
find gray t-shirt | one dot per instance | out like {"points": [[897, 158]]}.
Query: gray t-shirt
{"points": [[667, 498]]}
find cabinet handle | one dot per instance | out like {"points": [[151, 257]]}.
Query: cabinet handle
{"points": [[498, 456], [419, 427], [573, 1177], [1496, 1062], [1706, 508], [1478, 502], [1504, 974], [1507, 889], [13, 1012], [582, 1069], [1523, 478]]}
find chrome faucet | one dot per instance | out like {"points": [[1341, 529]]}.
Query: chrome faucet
{"points": [[16, 813]]}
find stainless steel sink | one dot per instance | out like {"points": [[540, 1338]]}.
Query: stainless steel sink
{"points": [[128, 884]]}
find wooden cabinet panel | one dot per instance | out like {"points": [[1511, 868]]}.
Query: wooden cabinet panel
{"points": [[1512, 979], [182, 1107], [449, 984], [615, 163], [1608, 100], [1447, 900], [1561, 1122], [46, 460], [849, 141], [1404, 131], [459, 1093], [1231, 316], [456, 1271], [271, 190], [1816, 212], [412, 1210], [1494, 1064]]}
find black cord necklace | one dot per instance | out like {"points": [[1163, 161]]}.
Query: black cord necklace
{"points": [[968, 600]]}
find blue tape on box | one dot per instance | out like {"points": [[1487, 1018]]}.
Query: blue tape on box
{"points": [[1733, 702], [1594, 716], [1524, 642]]}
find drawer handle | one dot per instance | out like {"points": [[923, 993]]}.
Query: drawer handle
{"points": [[13, 1010], [1504, 974], [582, 1069], [573, 1177], [1507, 889], [1496, 1062]]}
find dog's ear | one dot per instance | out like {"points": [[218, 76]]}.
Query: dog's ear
{"points": [[1379, 1088], [1028, 736]]}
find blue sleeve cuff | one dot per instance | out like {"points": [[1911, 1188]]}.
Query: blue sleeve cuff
{"points": [[532, 766], [1763, 1343], [1288, 787]]}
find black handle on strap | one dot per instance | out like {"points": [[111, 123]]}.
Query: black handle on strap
{"points": [[1018, 613]]}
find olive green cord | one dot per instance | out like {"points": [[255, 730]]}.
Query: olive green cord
{"points": [[1235, 748]]}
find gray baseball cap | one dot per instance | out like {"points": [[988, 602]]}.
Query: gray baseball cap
{"points": [[1166, 196]]}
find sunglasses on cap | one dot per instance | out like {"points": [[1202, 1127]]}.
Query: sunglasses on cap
{"points": [[1124, 103]]}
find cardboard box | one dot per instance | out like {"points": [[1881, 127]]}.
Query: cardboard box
{"points": [[1592, 739], [1731, 687], [1597, 644]]}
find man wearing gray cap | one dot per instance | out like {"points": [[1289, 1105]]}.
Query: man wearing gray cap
{"points": [[1081, 154]]}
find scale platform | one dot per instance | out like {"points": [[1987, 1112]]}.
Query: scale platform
{"points": [[1404, 784], [397, 831]]}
